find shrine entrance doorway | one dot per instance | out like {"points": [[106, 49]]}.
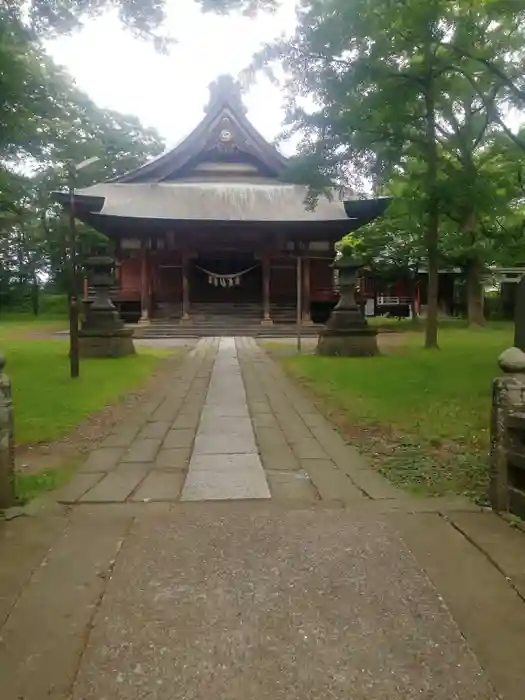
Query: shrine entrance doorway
{"points": [[230, 277]]}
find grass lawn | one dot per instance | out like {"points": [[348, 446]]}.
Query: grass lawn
{"points": [[28, 486], [21, 325], [422, 416], [47, 403]]}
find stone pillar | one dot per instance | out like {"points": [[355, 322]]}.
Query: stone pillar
{"points": [[185, 287], [508, 411], [144, 284], [307, 318], [266, 274], [7, 443], [103, 333], [347, 332]]}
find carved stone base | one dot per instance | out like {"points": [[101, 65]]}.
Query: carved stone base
{"points": [[144, 321], [266, 322], [307, 322], [186, 321], [359, 342], [118, 344]]}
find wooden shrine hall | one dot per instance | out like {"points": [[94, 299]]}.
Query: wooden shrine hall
{"points": [[212, 228]]}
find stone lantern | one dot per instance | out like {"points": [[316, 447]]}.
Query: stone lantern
{"points": [[103, 333], [347, 332]]}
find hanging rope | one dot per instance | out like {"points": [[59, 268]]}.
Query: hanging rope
{"points": [[224, 280]]}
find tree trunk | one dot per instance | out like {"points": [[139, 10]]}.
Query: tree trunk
{"points": [[414, 311], [475, 294], [432, 239], [432, 234], [35, 296]]}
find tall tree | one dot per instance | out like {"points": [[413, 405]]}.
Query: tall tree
{"points": [[373, 71], [381, 78]]}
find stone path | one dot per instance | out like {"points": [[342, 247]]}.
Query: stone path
{"points": [[228, 544], [225, 463], [229, 426]]}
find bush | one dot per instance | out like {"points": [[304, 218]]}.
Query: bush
{"points": [[53, 304]]}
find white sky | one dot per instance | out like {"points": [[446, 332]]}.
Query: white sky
{"points": [[169, 92]]}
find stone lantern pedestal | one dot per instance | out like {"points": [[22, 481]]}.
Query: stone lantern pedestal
{"points": [[347, 333], [103, 333]]}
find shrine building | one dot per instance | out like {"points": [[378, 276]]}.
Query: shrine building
{"points": [[212, 229]]}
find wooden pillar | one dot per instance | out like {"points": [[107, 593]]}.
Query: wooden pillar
{"points": [[299, 282], [185, 287], [144, 283], [307, 319], [266, 274]]}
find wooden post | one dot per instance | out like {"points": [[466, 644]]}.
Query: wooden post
{"points": [[74, 358], [299, 301], [144, 284], [7, 445], [266, 271], [185, 287], [307, 318]]}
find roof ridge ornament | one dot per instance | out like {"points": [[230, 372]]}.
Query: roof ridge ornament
{"points": [[226, 90]]}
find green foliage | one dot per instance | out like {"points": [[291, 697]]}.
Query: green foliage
{"points": [[413, 94], [30, 485], [46, 122]]}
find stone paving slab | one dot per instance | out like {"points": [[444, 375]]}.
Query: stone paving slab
{"points": [[225, 410], [287, 606], [291, 486], [309, 448], [45, 635], [225, 485], [155, 429], [24, 543], [142, 450], [103, 459], [78, 486], [225, 425], [179, 438], [123, 438], [220, 443], [498, 540], [160, 486], [226, 462], [117, 485], [331, 483], [176, 459], [489, 612]]}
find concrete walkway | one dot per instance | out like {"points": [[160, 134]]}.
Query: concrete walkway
{"points": [[227, 544], [225, 463]]}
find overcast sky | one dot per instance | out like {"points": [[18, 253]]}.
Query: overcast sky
{"points": [[170, 92]]}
